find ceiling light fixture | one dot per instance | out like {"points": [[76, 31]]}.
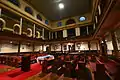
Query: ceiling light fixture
{"points": [[11, 42], [61, 5], [57, 1]]}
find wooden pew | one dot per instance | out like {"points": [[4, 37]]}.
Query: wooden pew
{"points": [[61, 77], [101, 73], [46, 77]]}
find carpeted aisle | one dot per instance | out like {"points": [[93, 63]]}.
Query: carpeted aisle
{"points": [[17, 74]]}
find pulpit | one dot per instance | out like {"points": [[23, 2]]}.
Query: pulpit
{"points": [[25, 64]]}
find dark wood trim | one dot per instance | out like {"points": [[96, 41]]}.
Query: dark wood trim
{"points": [[107, 11], [19, 45]]}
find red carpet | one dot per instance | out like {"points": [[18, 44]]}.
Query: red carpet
{"points": [[4, 66], [16, 74], [11, 75]]}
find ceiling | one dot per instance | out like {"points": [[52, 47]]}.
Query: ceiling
{"points": [[50, 9]]}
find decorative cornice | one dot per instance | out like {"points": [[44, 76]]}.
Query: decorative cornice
{"points": [[18, 11], [71, 26]]}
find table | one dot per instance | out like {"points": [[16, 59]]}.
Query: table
{"points": [[40, 59]]}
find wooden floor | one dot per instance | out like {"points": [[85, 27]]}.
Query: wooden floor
{"points": [[50, 76]]}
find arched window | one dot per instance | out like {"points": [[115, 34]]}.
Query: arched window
{"points": [[59, 24], [28, 10], [82, 19], [46, 22], [15, 2], [39, 17], [70, 21]]}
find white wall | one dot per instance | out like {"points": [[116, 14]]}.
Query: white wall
{"points": [[25, 48], [56, 47], [5, 48], [11, 48], [109, 45], [118, 46], [93, 46], [38, 48], [66, 46], [52, 48], [83, 46]]}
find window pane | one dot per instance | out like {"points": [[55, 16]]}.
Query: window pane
{"points": [[83, 31], [71, 32], [15, 2], [59, 24], [28, 10], [39, 17], [46, 22]]}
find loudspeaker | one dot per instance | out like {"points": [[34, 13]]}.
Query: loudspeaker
{"points": [[25, 64]]}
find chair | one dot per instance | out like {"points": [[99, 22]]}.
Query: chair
{"points": [[0, 59], [69, 68], [100, 72], [44, 66], [9, 61], [4, 60]]}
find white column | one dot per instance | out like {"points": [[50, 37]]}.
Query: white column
{"points": [[0, 12], [0, 16], [20, 26], [77, 31], [94, 26], [96, 19], [56, 35], [87, 30], [43, 33], [52, 35], [49, 35], [99, 9], [34, 31], [64, 33]]}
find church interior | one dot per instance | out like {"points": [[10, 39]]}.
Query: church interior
{"points": [[59, 40]]}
